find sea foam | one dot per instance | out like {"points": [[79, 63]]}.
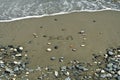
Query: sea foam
{"points": [[23, 9]]}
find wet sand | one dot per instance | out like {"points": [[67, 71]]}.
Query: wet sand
{"points": [[101, 31]]}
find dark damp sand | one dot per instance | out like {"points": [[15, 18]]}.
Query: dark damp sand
{"points": [[102, 29]]}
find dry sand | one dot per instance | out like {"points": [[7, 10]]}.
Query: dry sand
{"points": [[101, 29]]}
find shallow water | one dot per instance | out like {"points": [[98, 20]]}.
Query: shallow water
{"points": [[14, 9]]}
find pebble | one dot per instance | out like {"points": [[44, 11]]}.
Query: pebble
{"points": [[98, 70], [27, 73], [26, 55], [110, 53], [68, 78], [1, 62], [18, 55], [13, 78], [61, 59], [63, 68], [84, 38], [2, 49], [67, 73], [106, 55], [56, 73], [82, 32], [83, 45], [118, 49], [35, 35], [21, 48], [74, 49], [15, 50], [118, 72], [102, 71], [16, 62], [49, 43], [48, 49], [52, 58]]}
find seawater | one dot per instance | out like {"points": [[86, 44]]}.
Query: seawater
{"points": [[11, 10]]}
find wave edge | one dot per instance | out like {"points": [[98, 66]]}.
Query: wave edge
{"points": [[54, 14]]}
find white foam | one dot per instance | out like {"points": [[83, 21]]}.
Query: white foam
{"points": [[27, 17]]}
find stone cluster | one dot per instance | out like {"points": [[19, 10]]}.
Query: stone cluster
{"points": [[13, 61], [111, 68]]}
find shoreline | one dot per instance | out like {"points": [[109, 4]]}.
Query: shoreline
{"points": [[61, 13]]}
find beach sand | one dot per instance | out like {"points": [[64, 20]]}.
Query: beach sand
{"points": [[101, 32]]}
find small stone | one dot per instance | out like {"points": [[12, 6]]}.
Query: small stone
{"points": [[118, 56], [18, 63], [26, 55], [35, 35], [110, 65], [96, 74], [40, 78], [98, 70], [27, 73], [67, 73], [20, 49], [16, 69], [13, 78], [103, 75], [82, 32], [102, 71], [68, 78], [85, 69], [106, 55], [15, 75], [12, 49], [63, 68], [71, 46], [49, 43], [109, 75], [56, 73], [83, 45], [46, 68], [18, 55], [38, 68], [2, 49], [15, 50], [61, 59], [95, 62], [110, 53], [118, 72], [1, 62], [84, 38], [52, 58], [48, 49], [118, 49], [74, 49], [8, 70]]}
